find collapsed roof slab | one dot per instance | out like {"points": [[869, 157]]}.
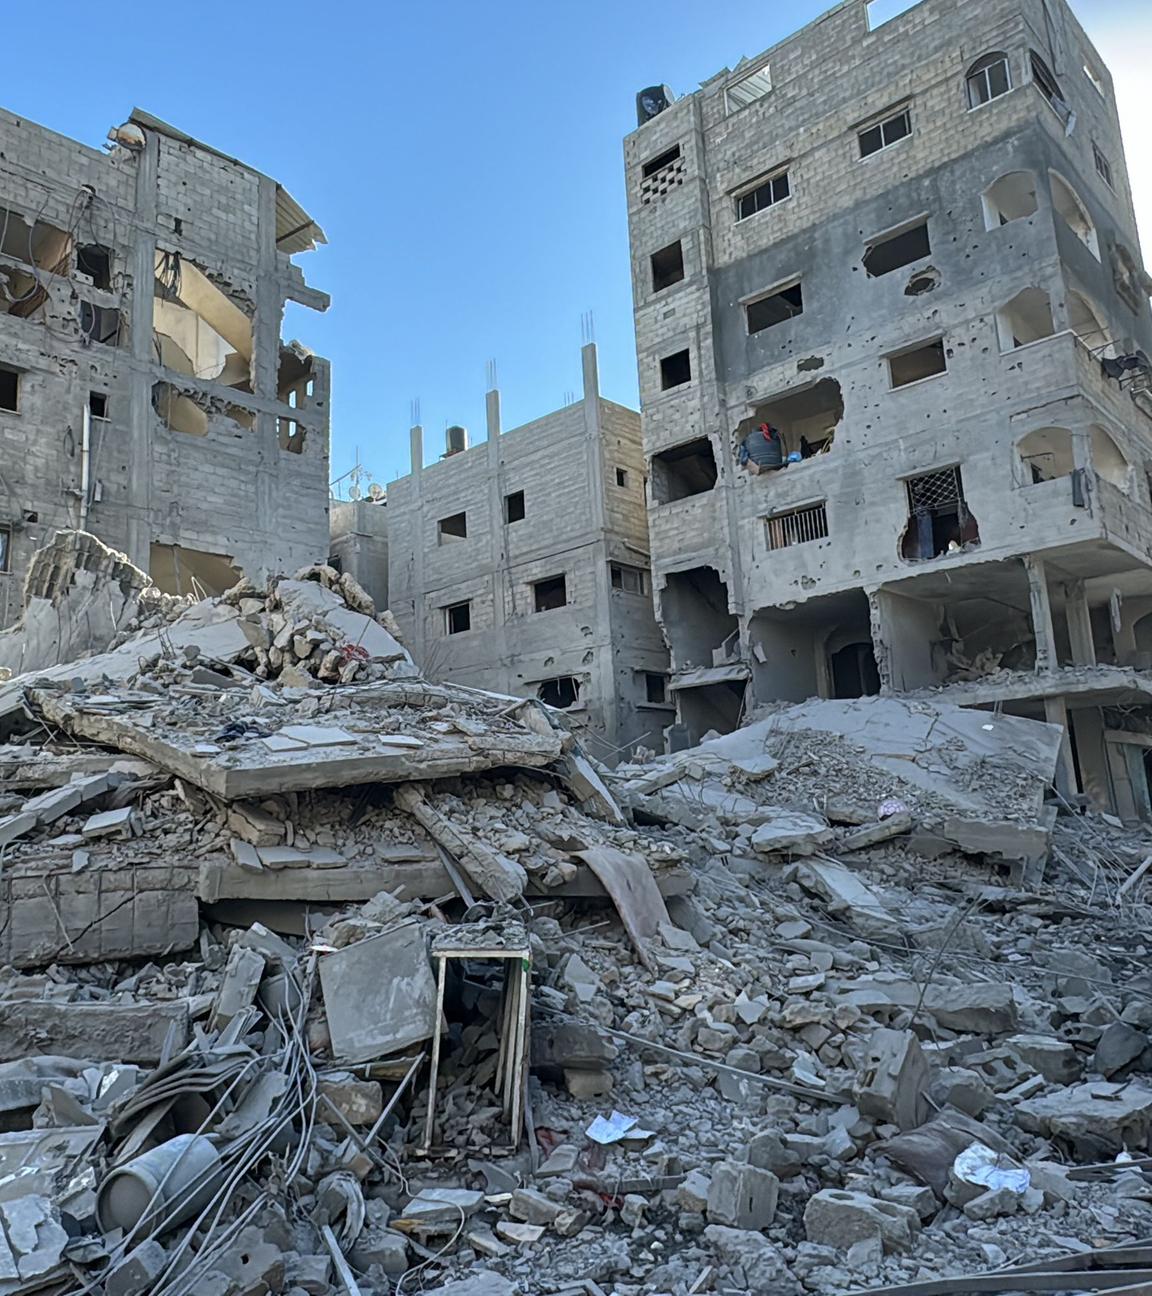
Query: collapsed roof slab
{"points": [[377, 733]]}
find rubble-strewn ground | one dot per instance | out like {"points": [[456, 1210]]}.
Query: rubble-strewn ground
{"points": [[788, 1029]]}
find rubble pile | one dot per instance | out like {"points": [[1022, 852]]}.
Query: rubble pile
{"points": [[320, 977]]}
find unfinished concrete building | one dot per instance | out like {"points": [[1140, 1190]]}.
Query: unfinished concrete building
{"points": [[145, 394], [924, 273], [521, 565], [359, 541]]}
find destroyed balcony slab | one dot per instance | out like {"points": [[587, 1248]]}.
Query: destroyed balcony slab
{"points": [[129, 1032]]}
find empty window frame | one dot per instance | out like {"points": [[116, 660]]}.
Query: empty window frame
{"points": [[1096, 79], [1103, 166], [622, 477], [797, 526], [900, 248], [98, 405], [755, 85], [1047, 84], [100, 323], [988, 79], [561, 693], [660, 163], [938, 518], [549, 594], [683, 470], [885, 133], [774, 308], [914, 364], [514, 507], [655, 688], [1012, 197], [9, 389], [1026, 318], [458, 617], [632, 580], [5, 548], [675, 370], [95, 263], [764, 193], [667, 266], [450, 529]]}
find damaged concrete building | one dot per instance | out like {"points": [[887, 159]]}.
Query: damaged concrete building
{"points": [[925, 275], [145, 394], [521, 565]]}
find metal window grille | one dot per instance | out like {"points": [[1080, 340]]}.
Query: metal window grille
{"points": [[798, 527], [936, 490]]}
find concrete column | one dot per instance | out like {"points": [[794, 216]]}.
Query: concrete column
{"points": [[492, 410], [1088, 726], [1046, 655], [416, 447], [1079, 624], [140, 414], [1056, 713], [503, 650], [419, 648], [602, 674], [269, 298]]}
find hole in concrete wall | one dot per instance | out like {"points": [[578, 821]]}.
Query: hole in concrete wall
{"points": [[95, 262], [655, 688], [1026, 318], [1109, 460], [853, 670], [1011, 198], [631, 580], [988, 78], [893, 251], [1074, 213], [712, 708], [100, 323], [1046, 454], [98, 405], [667, 266], [514, 507], [550, 593], [675, 370], [924, 281], [913, 364], [683, 470], [451, 529], [797, 526], [198, 328], [458, 618], [694, 613], [939, 521], [291, 435], [9, 389], [776, 307], [177, 570], [295, 379], [561, 693], [806, 419], [41, 247], [1086, 322], [179, 412]]}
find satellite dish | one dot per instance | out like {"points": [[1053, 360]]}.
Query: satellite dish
{"points": [[354, 492], [652, 102], [375, 491]]}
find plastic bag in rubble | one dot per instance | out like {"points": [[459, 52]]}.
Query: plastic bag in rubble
{"points": [[891, 806], [979, 1165]]}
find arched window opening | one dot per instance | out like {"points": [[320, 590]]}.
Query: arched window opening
{"points": [[988, 79], [1084, 320], [1109, 461], [1026, 318], [1012, 197], [1046, 454], [1074, 214]]}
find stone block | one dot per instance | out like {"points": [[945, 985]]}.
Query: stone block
{"points": [[1054, 1059], [838, 1218], [742, 1196], [893, 1082]]}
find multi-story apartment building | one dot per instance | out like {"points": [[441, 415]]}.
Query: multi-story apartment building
{"points": [[521, 565], [911, 249], [145, 394]]}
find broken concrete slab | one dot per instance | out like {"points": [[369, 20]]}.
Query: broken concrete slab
{"points": [[838, 1218], [986, 1008], [131, 1032], [742, 1196], [1116, 1116], [894, 1080], [848, 898], [792, 832], [379, 995], [1055, 1059]]}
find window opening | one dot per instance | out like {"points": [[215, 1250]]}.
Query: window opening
{"points": [[451, 529], [797, 526], [917, 363], [883, 11], [98, 405], [560, 693], [804, 424], [766, 193], [1049, 87], [100, 324], [1096, 79], [1012, 197], [632, 580], [1026, 318], [775, 308], [1046, 454], [622, 477], [988, 79], [938, 518], [655, 688], [683, 470], [667, 266], [5, 548], [886, 133], [550, 593], [1103, 166], [675, 370], [893, 251], [1074, 214], [514, 507], [95, 262], [458, 617], [749, 88], [650, 169], [291, 435], [9, 389], [1084, 320]]}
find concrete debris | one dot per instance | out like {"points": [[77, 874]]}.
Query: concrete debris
{"points": [[768, 996]]}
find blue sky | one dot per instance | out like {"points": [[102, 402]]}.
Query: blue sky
{"points": [[463, 158]]}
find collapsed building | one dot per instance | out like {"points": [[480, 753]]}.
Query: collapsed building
{"points": [[145, 393], [926, 277], [521, 565]]}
